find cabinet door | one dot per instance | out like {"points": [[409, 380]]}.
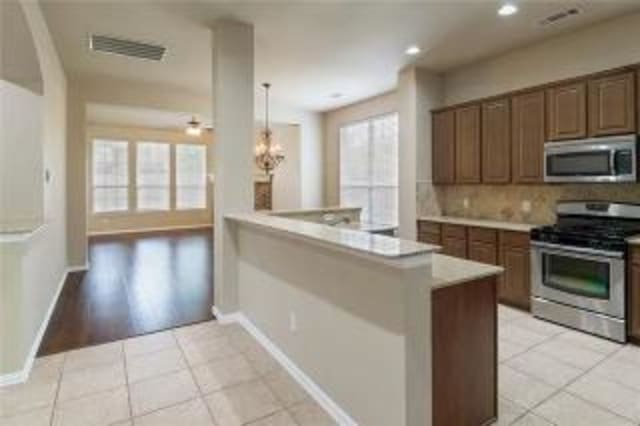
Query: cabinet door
{"points": [[567, 111], [612, 105], [443, 153], [483, 252], [454, 247], [467, 135], [496, 141], [516, 279], [634, 304], [528, 131]]}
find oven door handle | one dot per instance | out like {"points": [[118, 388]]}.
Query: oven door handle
{"points": [[581, 250]]}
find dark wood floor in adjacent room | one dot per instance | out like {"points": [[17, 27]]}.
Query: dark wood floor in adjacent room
{"points": [[136, 284]]}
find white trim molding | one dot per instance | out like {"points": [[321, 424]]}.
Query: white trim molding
{"points": [[316, 392], [143, 230], [22, 375]]}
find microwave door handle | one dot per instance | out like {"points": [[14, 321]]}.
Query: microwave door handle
{"points": [[612, 162]]}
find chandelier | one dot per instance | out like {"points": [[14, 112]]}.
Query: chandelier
{"points": [[267, 153]]}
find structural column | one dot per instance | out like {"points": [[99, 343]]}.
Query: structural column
{"points": [[233, 119], [419, 91]]}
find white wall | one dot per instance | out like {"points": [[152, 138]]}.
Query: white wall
{"points": [[599, 47], [43, 258], [21, 158]]}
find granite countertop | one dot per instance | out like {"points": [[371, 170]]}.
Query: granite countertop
{"points": [[448, 270], [366, 227], [373, 245], [481, 223]]}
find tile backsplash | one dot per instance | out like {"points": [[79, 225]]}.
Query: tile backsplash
{"points": [[516, 203]]}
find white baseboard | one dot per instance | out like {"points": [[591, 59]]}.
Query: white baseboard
{"points": [[225, 318], [329, 405], [22, 375], [142, 230]]}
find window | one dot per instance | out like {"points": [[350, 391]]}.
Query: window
{"points": [[153, 176], [369, 168], [110, 176], [191, 176]]}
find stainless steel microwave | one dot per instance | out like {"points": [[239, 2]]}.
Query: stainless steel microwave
{"points": [[608, 159]]}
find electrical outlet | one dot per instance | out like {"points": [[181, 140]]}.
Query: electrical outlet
{"points": [[293, 322], [465, 202], [526, 206]]}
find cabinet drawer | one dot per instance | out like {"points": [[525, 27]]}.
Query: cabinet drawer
{"points": [[454, 231], [429, 238], [483, 252], [429, 227], [484, 235], [514, 239], [455, 247], [635, 255]]}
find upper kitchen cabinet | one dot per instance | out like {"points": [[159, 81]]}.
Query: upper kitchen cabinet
{"points": [[567, 111], [612, 105], [443, 153], [467, 144], [496, 141], [528, 137]]}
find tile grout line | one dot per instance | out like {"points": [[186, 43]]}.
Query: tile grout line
{"points": [[566, 386], [126, 380], [59, 385]]}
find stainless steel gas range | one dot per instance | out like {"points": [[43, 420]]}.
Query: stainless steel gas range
{"points": [[578, 266]]}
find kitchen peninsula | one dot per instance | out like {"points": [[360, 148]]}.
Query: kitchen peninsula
{"points": [[376, 328]]}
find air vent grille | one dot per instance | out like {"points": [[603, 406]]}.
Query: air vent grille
{"points": [[130, 48], [560, 16]]}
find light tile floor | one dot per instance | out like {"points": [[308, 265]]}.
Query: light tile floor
{"points": [[214, 375], [551, 375], [202, 375]]}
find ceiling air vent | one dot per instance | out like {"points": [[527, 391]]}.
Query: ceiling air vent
{"points": [[560, 16], [130, 48]]}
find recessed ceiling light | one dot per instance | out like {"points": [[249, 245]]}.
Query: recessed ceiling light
{"points": [[507, 9], [412, 50]]}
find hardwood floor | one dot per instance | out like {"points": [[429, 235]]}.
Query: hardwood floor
{"points": [[136, 284]]}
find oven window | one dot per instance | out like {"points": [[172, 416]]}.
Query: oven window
{"points": [[579, 164], [582, 277]]}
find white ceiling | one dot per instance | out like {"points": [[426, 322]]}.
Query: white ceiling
{"points": [[120, 115], [307, 50]]}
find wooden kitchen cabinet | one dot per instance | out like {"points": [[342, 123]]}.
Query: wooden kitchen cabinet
{"points": [[429, 232], [467, 144], [612, 105], [567, 111], [454, 240], [443, 153], [528, 137], [514, 287], [483, 245], [634, 296], [496, 141]]}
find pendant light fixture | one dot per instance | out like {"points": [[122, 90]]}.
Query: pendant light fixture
{"points": [[268, 155]]}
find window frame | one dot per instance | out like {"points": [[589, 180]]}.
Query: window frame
{"points": [[370, 186], [170, 182], [204, 186], [127, 186]]}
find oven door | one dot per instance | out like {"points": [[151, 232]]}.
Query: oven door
{"points": [[589, 279]]}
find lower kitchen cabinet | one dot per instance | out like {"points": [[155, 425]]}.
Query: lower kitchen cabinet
{"points": [[509, 249], [514, 287], [634, 296]]}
